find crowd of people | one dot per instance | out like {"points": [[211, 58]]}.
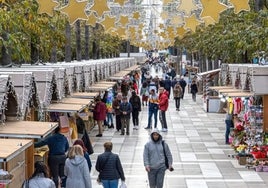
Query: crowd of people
{"points": [[70, 163]]}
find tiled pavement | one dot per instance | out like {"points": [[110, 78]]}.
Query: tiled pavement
{"points": [[196, 139]]}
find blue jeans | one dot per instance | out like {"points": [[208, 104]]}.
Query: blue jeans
{"points": [[151, 113], [109, 118], [110, 183], [229, 124]]}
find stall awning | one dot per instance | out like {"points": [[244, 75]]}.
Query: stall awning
{"points": [[211, 72], [27, 129], [217, 88], [132, 68], [70, 100], [100, 87], [60, 107], [85, 95], [239, 94], [120, 75]]}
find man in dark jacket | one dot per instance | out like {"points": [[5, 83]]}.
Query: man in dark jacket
{"points": [[135, 101], [183, 85], [109, 166], [125, 109], [58, 145]]}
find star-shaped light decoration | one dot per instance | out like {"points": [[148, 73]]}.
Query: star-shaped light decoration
{"points": [[136, 15], [212, 8], [108, 23], [180, 31], [100, 6], [92, 20], [208, 21], [170, 29], [240, 5], [132, 32], [165, 2], [164, 15], [47, 6], [120, 2], [161, 26], [176, 20], [123, 20], [191, 22], [187, 6], [121, 31], [75, 10]]}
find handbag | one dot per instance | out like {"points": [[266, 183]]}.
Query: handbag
{"points": [[123, 185]]}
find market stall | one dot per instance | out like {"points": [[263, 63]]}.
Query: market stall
{"points": [[15, 155], [85, 95]]}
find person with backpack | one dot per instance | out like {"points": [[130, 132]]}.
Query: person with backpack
{"points": [[135, 101]]}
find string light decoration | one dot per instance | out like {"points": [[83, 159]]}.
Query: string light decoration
{"points": [[8, 98], [152, 14]]}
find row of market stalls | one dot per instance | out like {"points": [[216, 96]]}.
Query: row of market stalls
{"points": [[242, 89], [30, 94]]}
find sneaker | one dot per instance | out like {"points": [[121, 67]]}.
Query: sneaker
{"points": [[147, 128], [164, 130], [99, 135], [137, 127]]}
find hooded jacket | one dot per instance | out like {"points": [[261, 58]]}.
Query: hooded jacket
{"points": [[163, 101], [153, 154], [40, 181], [77, 173]]}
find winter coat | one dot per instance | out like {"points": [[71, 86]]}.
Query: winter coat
{"points": [[153, 153], [135, 101], [125, 107], [40, 181], [77, 173], [163, 101], [153, 102], [194, 88], [116, 105], [177, 91], [100, 111], [109, 166]]}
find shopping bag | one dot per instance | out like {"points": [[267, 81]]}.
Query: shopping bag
{"points": [[123, 185]]}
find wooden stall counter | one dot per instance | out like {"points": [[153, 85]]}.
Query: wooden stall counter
{"points": [[13, 159]]}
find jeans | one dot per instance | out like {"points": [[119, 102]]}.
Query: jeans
{"points": [[229, 124], [156, 177], [109, 118], [177, 102], [151, 113], [118, 122], [135, 117], [194, 97], [110, 183], [56, 164], [162, 118]]}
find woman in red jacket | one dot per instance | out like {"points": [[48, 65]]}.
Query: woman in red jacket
{"points": [[99, 114]]}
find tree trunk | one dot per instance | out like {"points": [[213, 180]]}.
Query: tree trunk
{"points": [[68, 49], [86, 42], [78, 40], [259, 4], [53, 58]]}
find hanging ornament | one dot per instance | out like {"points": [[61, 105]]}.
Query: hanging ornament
{"points": [[240, 5], [212, 8], [100, 6], [92, 20], [191, 22], [47, 6], [187, 6], [108, 23]]}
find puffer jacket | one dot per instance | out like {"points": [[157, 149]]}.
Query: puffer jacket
{"points": [[153, 154], [109, 166]]}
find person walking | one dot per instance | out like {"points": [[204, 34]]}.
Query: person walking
{"points": [[58, 145], [177, 93], [183, 85], [163, 106], [153, 109], [76, 169], [86, 154], [99, 114], [157, 158], [109, 167], [194, 90], [135, 101], [116, 106], [144, 92], [228, 120], [125, 109], [40, 177], [81, 127]]}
